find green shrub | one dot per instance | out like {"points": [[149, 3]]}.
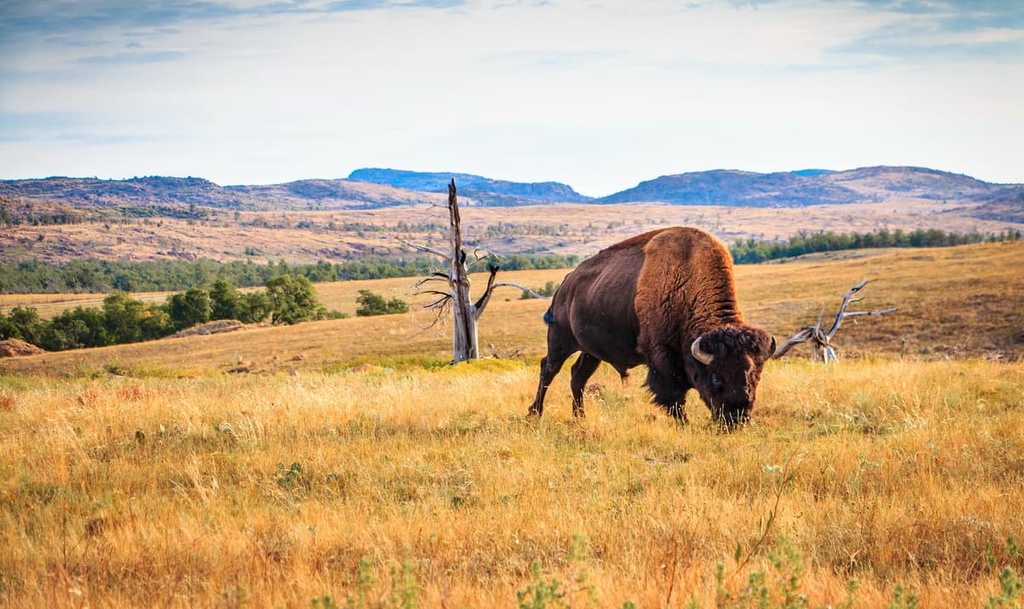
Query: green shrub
{"points": [[374, 304], [293, 300]]}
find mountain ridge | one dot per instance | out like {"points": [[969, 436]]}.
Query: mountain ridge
{"points": [[487, 191], [57, 220], [730, 187], [379, 187]]}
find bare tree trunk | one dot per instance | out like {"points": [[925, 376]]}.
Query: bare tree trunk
{"points": [[465, 343], [465, 314]]}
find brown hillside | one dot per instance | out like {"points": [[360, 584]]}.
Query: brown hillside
{"points": [[953, 303], [340, 235]]}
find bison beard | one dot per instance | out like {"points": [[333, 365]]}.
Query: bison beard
{"points": [[665, 299]]}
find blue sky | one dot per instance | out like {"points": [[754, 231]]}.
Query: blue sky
{"points": [[598, 94]]}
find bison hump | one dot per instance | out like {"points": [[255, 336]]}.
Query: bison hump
{"points": [[686, 285]]}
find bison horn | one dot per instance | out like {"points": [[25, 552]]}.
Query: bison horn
{"points": [[699, 354]]}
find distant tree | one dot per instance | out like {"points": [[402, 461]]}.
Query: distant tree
{"points": [[293, 300], [22, 323], [225, 302], [374, 304], [76, 329], [123, 317], [92, 275], [122, 281], [808, 242], [155, 322], [254, 307], [189, 308]]}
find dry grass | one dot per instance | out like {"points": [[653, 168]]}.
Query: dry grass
{"points": [[204, 492], [142, 475], [952, 301]]}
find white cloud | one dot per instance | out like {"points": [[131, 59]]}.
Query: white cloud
{"points": [[598, 96]]}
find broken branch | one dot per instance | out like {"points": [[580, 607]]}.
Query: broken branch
{"points": [[821, 340], [508, 284], [423, 248], [478, 307]]}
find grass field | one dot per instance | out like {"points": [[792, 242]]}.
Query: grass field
{"points": [[348, 466]]}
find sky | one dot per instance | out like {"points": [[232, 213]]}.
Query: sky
{"points": [[598, 94]]}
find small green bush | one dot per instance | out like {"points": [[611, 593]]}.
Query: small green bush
{"points": [[374, 304]]}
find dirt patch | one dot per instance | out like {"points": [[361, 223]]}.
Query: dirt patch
{"points": [[214, 327], [13, 347]]}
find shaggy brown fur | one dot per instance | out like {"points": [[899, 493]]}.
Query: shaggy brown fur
{"points": [[644, 301]]}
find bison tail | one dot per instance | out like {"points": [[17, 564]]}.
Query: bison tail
{"points": [[549, 319]]}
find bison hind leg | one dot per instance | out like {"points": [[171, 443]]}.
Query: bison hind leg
{"points": [[582, 370], [669, 392], [550, 366]]}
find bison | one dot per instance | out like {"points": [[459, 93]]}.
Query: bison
{"points": [[666, 299]]}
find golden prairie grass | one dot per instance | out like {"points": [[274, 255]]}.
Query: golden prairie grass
{"points": [[142, 475], [270, 490]]}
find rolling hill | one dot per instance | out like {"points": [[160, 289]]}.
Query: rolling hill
{"points": [[484, 191], [802, 188], [54, 220], [738, 188], [157, 191], [373, 187]]}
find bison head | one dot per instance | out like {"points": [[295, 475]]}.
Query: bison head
{"points": [[726, 368]]}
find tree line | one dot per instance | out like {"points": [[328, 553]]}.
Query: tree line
{"points": [[287, 299], [750, 251], [103, 276], [10, 215]]}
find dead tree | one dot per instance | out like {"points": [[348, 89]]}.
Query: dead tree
{"points": [[465, 313], [821, 340]]}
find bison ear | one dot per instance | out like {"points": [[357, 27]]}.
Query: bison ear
{"points": [[770, 351], [699, 354]]}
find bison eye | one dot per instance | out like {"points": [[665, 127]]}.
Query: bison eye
{"points": [[716, 381]]}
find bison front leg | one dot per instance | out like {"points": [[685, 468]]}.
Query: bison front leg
{"points": [[669, 392], [582, 370], [549, 367]]}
